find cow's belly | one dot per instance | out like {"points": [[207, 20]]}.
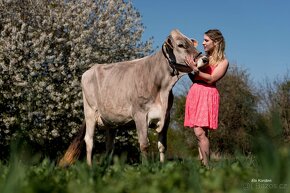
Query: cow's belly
{"points": [[114, 116]]}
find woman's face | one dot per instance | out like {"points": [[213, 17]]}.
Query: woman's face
{"points": [[208, 44]]}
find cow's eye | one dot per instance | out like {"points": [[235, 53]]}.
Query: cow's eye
{"points": [[181, 46]]}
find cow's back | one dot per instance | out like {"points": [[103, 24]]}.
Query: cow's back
{"points": [[114, 90]]}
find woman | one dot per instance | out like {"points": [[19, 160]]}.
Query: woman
{"points": [[202, 101]]}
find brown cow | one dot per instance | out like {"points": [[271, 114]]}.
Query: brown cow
{"points": [[138, 91]]}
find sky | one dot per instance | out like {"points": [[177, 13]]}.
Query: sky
{"points": [[257, 32]]}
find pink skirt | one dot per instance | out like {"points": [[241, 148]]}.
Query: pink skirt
{"points": [[202, 106]]}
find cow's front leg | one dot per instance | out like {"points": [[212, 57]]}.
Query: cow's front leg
{"points": [[162, 141], [142, 131], [162, 136]]}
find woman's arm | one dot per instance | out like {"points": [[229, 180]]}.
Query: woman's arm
{"points": [[216, 75]]}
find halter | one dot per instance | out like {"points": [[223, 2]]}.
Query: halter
{"points": [[176, 67]]}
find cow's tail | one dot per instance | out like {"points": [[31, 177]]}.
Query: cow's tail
{"points": [[74, 150]]}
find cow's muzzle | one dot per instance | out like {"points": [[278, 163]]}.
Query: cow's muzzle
{"points": [[202, 61]]}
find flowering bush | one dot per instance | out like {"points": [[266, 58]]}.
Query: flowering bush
{"points": [[45, 46]]}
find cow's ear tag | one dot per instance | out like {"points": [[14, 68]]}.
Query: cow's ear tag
{"points": [[195, 42]]}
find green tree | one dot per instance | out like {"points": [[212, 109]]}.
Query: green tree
{"points": [[238, 112], [275, 100], [45, 46]]}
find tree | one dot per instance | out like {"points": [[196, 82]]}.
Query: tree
{"points": [[275, 100], [238, 112], [45, 46]]}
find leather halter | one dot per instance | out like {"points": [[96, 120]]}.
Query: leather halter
{"points": [[176, 67]]}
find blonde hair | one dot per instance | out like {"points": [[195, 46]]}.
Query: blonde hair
{"points": [[218, 53]]}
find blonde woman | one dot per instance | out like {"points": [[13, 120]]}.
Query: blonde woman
{"points": [[202, 101]]}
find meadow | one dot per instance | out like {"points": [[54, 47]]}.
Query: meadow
{"points": [[268, 171]]}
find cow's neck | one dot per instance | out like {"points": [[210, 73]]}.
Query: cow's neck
{"points": [[161, 64]]}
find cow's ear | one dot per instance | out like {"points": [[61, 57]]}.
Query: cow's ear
{"points": [[195, 42], [169, 42]]}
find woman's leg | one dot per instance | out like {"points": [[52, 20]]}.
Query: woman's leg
{"points": [[200, 154], [203, 143]]}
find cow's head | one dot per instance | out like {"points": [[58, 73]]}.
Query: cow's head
{"points": [[177, 47]]}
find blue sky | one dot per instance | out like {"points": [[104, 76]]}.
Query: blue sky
{"points": [[257, 32]]}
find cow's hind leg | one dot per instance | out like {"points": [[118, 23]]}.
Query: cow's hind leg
{"points": [[90, 118], [89, 139], [110, 136]]}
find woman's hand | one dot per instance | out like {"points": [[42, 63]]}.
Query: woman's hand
{"points": [[190, 62]]}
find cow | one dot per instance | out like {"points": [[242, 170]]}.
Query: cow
{"points": [[137, 91]]}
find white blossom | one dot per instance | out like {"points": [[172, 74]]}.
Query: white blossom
{"points": [[54, 133], [45, 49]]}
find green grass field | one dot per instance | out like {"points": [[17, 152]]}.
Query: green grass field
{"points": [[268, 172]]}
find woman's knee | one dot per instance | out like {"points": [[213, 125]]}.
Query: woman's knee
{"points": [[200, 133]]}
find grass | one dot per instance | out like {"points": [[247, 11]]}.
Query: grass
{"points": [[267, 171], [232, 175]]}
